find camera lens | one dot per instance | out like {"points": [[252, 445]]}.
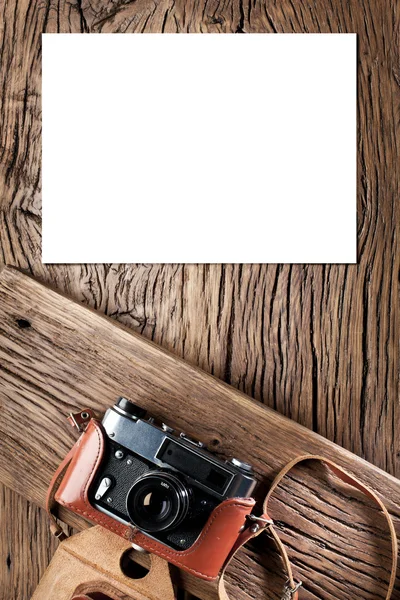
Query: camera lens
{"points": [[157, 501]]}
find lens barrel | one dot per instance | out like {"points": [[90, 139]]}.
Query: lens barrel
{"points": [[157, 501]]}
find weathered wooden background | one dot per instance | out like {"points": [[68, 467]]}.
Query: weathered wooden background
{"points": [[58, 355], [318, 343]]}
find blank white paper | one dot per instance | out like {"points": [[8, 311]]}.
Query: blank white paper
{"points": [[199, 148]]}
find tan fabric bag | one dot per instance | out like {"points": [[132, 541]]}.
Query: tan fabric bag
{"points": [[86, 566]]}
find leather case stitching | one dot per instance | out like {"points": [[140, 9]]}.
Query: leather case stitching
{"points": [[84, 491]]}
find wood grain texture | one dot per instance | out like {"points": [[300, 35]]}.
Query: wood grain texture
{"points": [[23, 533], [318, 343], [57, 355]]}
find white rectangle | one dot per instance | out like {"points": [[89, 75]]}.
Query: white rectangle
{"points": [[217, 148]]}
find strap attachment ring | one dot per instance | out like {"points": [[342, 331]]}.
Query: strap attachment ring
{"points": [[259, 523], [263, 520], [289, 592]]}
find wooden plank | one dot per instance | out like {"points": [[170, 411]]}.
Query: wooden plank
{"points": [[57, 355]]}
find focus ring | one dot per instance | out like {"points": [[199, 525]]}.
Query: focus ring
{"points": [[157, 501]]}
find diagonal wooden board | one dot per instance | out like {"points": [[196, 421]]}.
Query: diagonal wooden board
{"points": [[57, 355]]}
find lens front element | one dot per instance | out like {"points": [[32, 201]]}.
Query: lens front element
{"points": [[157, 501]]}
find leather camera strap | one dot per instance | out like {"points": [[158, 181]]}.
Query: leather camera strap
{"points": [[258, 524], [265, 524]]}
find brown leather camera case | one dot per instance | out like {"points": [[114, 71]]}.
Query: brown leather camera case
{"points": [[204, 558]]}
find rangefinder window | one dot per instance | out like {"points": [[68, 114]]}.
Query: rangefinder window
{"points": [[217, 480], [188, 462]]}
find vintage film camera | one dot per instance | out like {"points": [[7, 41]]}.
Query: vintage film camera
{"points": [[163, 483]]}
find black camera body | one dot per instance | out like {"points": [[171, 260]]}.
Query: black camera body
{"points": [[163, 483]]}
